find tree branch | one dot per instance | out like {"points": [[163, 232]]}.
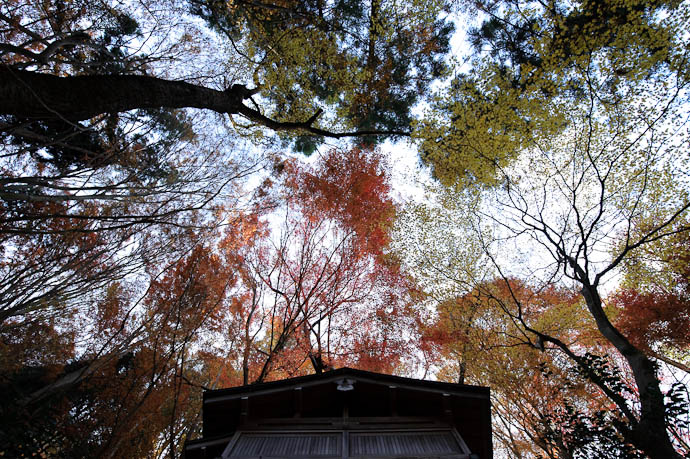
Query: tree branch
{"points": [[37, 96]]}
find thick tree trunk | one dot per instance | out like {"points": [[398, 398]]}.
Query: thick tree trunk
{"points": [[649, 432], [36, 96], [40, 96]]}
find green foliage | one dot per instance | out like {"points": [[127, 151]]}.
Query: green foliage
{"points": [[479, 126], [369, 63], [439, 240], [586, 435], [306, 144], [534, 64]]}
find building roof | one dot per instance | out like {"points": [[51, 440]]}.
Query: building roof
{"points": [[211, 396], [345, 413]]}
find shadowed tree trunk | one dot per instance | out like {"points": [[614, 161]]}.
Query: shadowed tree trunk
{"points": [[650, 431], [38, 96], [41, 96]]}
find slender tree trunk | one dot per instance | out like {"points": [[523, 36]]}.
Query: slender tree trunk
{"points": [[462, 368], [245, 361], [649, 432]]}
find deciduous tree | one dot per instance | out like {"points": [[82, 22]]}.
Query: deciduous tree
{"points": [[585, 120], [325, 270]]}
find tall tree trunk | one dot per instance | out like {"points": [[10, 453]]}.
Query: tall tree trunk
{"points": [[35, 96], [245, 361], [462, 368], [41, 96], [649, 431]]}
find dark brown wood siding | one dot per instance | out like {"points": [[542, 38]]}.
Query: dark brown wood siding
{"points": [[287, 445], [403, 444]]}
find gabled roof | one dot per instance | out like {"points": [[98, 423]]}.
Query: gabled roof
{"points": [[345, 413], [212, 396]]}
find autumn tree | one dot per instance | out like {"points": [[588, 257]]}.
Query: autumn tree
{"points": [[652, 303], [117, 390], [563, 414], [123, 159], [473, 339], [578, 195], [317, 288], [87, 207], [584, 119], [151, 161]]}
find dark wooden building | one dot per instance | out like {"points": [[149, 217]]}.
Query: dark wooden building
{"points": [[345, 413]]}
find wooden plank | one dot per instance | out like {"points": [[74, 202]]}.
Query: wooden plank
{"points": [[327, 444], [445, 456], [461, 442], [346, 444], [426, 443], [230, 446], [244, 410], [404, 444], [342, 426], [297, 394]]}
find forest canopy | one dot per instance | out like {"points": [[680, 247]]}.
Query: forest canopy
{"points": [[197, 194]]}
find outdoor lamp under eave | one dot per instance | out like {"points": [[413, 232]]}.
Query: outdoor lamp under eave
{"points": [[345, 384]]}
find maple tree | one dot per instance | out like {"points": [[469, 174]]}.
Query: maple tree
{"points": [[480, 335], [652, 305], [150, 349], [476, 340], [310, 284], [93, 195], [129, 167], [570, 237], [134, 373], [649, 319]]}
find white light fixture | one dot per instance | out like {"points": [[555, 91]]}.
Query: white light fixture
{"points": [[345, 384]]}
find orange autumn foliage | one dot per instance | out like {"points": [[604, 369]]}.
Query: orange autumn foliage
{"points": [[351, 187], [648, 318]]}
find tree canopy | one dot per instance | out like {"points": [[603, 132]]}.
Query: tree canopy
{"points": [[347, 69], [197, 194]]}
